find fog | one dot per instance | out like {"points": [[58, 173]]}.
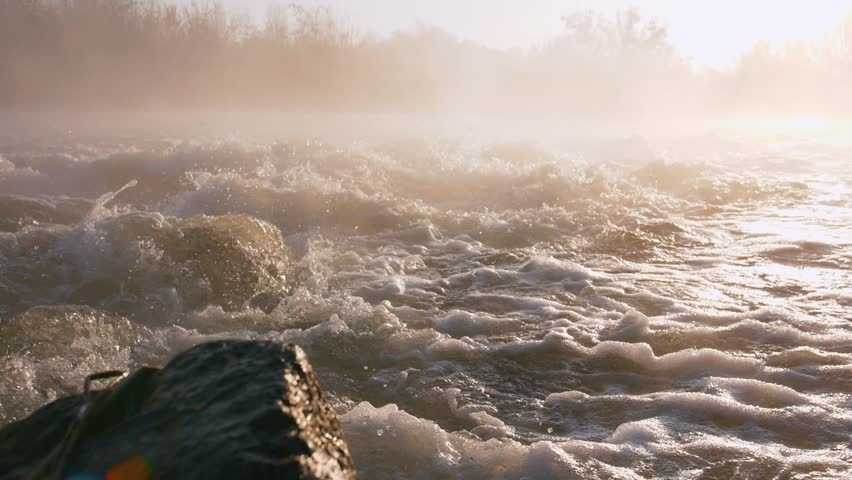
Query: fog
{"points": [[108, 55], [589, 258]]}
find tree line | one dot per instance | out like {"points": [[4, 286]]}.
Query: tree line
{"points": [[132, 54]]}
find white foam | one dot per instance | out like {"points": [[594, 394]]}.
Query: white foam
{"points": [[807, 356], [769, 333], [461, 323], [457, 349], [650, 430], [481, 417], [388, 441], [691, 361], [794, 421], [756, 392], [5, 165], [765, 315], [539, 270], [548, 269], [634, 326]]}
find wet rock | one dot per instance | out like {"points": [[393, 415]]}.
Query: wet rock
{"points": [[234, 257], [227, 261], [147, 266], [222, 410]]}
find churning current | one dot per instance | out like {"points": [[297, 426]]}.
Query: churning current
{"points": [[473, 310]]}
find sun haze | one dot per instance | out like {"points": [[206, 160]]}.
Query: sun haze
{"points": [[604, 63], [526, 239], [712, 33]]}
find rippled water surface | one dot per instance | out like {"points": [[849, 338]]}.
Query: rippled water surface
{"points": [[474, 310]]}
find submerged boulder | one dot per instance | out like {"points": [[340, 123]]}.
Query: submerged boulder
{"points": [[236, 257], [226, 261], [146, 266], [222, 410]]}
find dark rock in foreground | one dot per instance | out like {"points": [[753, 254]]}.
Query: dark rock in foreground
{"points": [[222, 410]]}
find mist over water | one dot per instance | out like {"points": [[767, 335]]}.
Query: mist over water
{"points": [[583, 260], [105, 55]]}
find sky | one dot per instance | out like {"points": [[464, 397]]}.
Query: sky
{"points": [[711, 33]]}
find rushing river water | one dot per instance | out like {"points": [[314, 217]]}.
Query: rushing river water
{"points": [[609, 310]]}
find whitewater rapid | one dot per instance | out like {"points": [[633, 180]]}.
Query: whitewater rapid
{"points": [[473, 310]]}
